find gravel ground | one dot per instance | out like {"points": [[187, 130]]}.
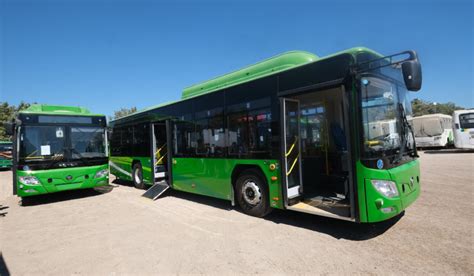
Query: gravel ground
{"points": [[114, 230]]}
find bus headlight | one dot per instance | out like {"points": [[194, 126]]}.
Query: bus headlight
{"points": [[101, 173], [385, 187], [29, 180]]}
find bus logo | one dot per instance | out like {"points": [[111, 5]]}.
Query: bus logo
{"points": [[69, 177], [380, 164]]}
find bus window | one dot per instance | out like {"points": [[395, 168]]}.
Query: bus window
{"points": [[184, 140], [466, 120], [249, 130], [210, 136], [141, 140]]}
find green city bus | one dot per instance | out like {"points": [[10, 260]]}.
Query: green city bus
{"points": [[5, 154], [58, 148], [322, 135]]}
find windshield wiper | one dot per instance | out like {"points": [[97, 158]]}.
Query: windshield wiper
{"points": [[77, 152], [405, 129], [55, 161]]}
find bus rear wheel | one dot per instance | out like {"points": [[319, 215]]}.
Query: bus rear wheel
{"points": [[252, 194], [137, 176]]}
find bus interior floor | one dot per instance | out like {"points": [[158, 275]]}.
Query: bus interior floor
{"points": [[332, 203]]}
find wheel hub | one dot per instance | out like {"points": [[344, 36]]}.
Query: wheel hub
{"points": [[251, 192]]}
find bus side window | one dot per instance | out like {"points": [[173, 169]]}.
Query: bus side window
{"points": [[141, 140], [210, 136], [249, 129], [184, 137], [127, 141], [115, 142]]}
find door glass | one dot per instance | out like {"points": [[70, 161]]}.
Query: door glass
{"points": [[292, 147]]}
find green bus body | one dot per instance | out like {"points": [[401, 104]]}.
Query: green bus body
{"points": [[291, 74], [5, 154], [54, 150], [59, 182]]}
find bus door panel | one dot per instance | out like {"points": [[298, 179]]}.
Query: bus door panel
{"points": [[159, 152], [291, 145]]}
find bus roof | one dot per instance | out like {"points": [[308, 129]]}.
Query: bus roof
{"points": [[437, 115], [58, 110], [271, 66], [458, 112], [260, 69]]}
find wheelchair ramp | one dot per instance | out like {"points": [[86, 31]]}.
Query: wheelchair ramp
{"points": [[156, 190]]}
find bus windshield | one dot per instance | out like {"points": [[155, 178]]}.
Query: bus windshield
{"points": [[382, 122], [42, 142], [61, 142], [467, 120], [87, 142], [6, 151], [428, 127]]}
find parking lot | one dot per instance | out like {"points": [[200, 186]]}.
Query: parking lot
{"points": [[115, 230]]}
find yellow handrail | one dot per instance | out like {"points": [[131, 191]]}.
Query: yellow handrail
{"points": [[159, 160], [292, 146], [158, 151], [293, 165]]}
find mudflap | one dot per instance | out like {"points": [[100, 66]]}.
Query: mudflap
{"points": [[156, 190]]}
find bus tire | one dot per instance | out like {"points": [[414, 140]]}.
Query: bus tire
{"points": [[252, 193], [25, 201], [137, 176]]}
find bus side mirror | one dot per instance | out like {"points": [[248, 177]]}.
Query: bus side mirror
{"points": [[8, 128], [456, 126], [412, 74], [411, 70]]}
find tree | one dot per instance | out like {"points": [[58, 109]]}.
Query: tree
{"points": [[122, 112], [421, 107], [7, 113]]}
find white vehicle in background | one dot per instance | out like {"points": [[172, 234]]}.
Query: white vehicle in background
{"points": [[463, 122], [434, 130]]}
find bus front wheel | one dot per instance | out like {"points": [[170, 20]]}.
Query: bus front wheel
{"points": [[252, 194], [137, 176], [25, 201]]}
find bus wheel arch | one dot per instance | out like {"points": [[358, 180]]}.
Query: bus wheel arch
{"points": [[251, 190], [137, 174]]}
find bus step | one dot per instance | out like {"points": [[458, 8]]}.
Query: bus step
{"points": [[156, 190]]}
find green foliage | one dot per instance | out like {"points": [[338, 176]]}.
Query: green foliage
{"points": [[7, 113], [122, 112], [421, 107]]}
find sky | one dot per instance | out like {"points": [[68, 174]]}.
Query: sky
{"points": [[108, 54]]}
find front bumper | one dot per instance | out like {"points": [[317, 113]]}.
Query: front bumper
{"points": [[57, 180], [407, 179]]}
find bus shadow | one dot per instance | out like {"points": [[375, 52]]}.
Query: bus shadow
{"points": [[122, 182], [338, 229], [201, 199], [65, 196], [3, 266]]}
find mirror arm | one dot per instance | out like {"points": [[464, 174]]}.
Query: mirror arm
{"points": [[412, 56]]}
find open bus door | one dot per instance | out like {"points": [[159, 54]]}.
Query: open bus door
{"points": [[291, 148], [160, 157]]}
